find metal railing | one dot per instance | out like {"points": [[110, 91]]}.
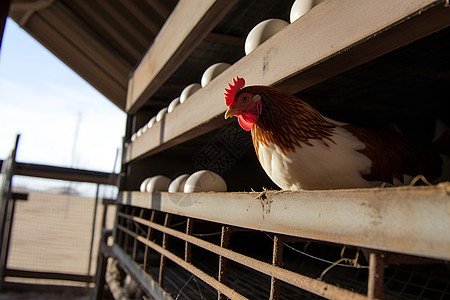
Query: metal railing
{"points": [[167, 252]]}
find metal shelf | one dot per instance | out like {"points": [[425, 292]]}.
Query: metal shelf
{"points": [[303, 54], [407, 220]]}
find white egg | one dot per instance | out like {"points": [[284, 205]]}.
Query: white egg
{"points": [[212, 72], [189, 91], [173, 104], [205, 181], [151, 122], [158, 183], [161, 114], [144, 128], [177, 185], [139, 133], [262, 32], [144, 183], [301, 7], [134, 136]]}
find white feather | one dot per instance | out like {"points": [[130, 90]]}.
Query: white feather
{"points": [[338, 165]]}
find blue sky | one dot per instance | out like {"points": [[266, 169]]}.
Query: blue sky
{"points": [[41, 98]]}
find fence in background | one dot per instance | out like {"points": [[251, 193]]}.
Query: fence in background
{"points": [[52, 218]]}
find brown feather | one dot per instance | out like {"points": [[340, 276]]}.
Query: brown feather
{"points": [[287, 121], [392, 157]]}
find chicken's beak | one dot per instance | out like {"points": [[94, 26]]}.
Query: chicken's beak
{"points": [[230, 113]]}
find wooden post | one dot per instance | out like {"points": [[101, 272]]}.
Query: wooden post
{"points": [[376, 276], [188, 246], [277, 260], [149, 237], [136, 231], [224, 241], [162, 264]]}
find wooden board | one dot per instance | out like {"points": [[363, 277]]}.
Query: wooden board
{"points": [[92, 72], [325, 42], [408, 220], [182, 32]]}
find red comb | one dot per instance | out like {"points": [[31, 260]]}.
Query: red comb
{"points": [[233, 89]]}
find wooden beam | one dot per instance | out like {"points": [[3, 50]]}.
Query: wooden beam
{"points": [[48, 275], [305, 53], [159, 7], [185, 28], [175, 128], [62, 173], [94, 14], [225, 39], [84, 38], [87, 68], [137, 12], [4, 9], [120, 18], [386, 219]]}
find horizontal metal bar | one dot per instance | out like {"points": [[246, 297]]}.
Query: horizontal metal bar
{"points": [[62, 173], [306, 283], [47, 275], [142, 277], [107, 202], [19, 196], [407, 220], [189, 267]]}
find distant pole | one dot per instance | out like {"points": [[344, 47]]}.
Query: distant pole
{"points": [[4, 10], [75, 140], [70, 184]]}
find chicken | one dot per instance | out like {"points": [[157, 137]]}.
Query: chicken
{"points": [[300, 149]]}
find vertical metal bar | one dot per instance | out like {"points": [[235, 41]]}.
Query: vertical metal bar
{"points": [[149, 237], [224, 242], [188, 246], [8, 169], [104, 214], [94, 219], [9, 228], [376, 276], [162, 264], [125, 236], [97, 293], [277, 260], [117, 235], [128, 226], [135, 243]]}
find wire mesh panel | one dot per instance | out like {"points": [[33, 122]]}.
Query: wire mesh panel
{"points": [[198, 259], [53, 231]]}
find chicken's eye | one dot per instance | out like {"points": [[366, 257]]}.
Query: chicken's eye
{"points": [[244, 99]]}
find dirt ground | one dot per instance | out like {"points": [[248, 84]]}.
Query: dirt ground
{"points": [[52, 233]]}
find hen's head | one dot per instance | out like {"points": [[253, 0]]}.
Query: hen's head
{"points": [[244, 105]]}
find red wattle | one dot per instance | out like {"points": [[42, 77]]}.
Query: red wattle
{"points": [[244, 124]]}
